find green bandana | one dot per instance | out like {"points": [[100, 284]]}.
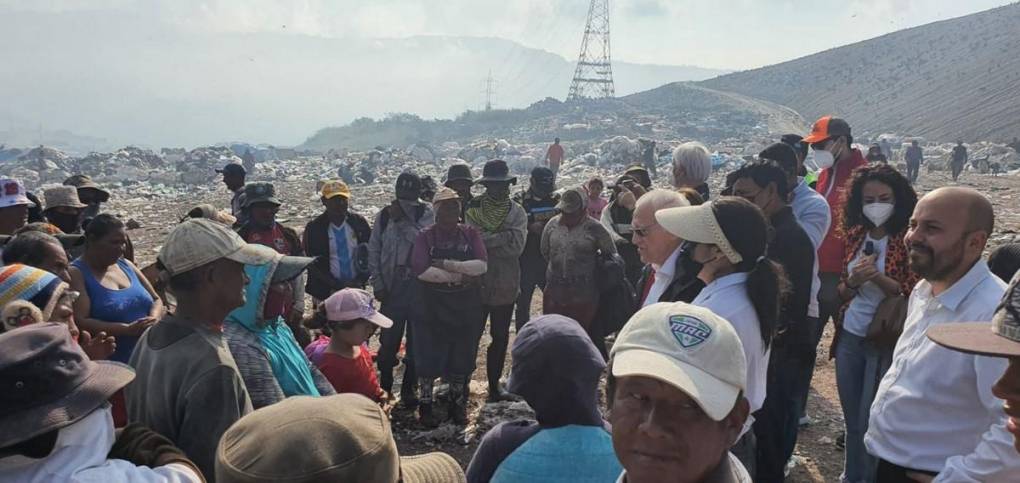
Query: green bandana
{"points": [[490, 213]]}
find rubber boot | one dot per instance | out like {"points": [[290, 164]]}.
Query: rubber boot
{"points": [[459, 394], [425, 416]]}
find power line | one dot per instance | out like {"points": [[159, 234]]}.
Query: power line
{"points": [[489, 90], [593, 77]]}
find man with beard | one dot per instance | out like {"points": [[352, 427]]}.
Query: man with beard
{"points": [[539, 203], [934, 417]]}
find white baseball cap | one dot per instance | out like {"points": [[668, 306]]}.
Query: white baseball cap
{"points": [[688, 347], [697, 224], [353, 304], [12, 193], [198, 241]]}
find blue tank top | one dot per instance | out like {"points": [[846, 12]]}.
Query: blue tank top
{"points": [[126, 305]]}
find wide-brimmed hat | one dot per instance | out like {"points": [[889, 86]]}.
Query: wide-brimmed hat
{"points": [[496, 171], [12, 193], [49, 383], [697, 224], [688, 347], [459, 171], [353, 304], [345, 437], [1000, 338], [260, 193], [199, 241], [445, 194], [62, 196], [82, 182]]}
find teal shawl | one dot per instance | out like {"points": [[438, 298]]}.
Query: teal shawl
{"points": [[289, 363]]}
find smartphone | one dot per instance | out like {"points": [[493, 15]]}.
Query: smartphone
{"points": [[869, 248]]}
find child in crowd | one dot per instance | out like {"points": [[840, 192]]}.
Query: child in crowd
{"points": [[596, 203], [345, 359]]}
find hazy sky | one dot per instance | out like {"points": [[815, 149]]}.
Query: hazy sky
{"points": [[192, 72], [731, 34]]}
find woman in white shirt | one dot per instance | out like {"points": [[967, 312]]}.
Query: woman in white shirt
{"points": [[878, 209], [730, 237]]}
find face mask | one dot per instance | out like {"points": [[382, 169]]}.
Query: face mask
{"points": [[824, 159], [878, 213], [67, 223], [689, 268]]}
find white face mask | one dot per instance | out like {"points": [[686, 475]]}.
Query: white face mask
{"points": [[823, 159], [878, 213]]}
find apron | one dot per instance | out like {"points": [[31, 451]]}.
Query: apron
{"points": [[446, 336]]}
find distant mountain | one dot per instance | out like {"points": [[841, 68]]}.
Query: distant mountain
{"points": [[954, 79], [134, 80], [679, 110]]}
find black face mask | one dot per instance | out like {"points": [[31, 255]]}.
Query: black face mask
{"points": [[688, 269], [542, 188], [66, 223]]}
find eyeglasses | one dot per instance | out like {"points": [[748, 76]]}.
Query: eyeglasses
{"points": [[642, 232]]}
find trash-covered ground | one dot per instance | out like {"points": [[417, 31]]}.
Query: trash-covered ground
{"points": [[156, 190]]}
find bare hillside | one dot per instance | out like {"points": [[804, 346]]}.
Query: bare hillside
{"points": [[958, 78]]}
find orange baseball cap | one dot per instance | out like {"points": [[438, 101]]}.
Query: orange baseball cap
{"points": [[826, 128]]}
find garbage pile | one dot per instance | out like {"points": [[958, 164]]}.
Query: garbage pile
{"points": [[127, 164], [984, 158], [41, 165], [200, 164]]}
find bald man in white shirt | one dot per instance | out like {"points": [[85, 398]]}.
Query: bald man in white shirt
{"points": [[935, 417]]}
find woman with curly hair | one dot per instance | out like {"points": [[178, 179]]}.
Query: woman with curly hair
{"points": [[878, 209]]}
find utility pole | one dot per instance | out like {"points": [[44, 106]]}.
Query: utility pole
{"points": [[489, 90], [593, 78]]}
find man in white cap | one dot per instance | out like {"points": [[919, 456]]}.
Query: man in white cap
{"points": [[14, 205], [187, 385], [676, 396]]}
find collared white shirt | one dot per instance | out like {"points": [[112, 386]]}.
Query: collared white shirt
{"points": [[812, 213], [663, 277], [934, 409], [727, 297]]}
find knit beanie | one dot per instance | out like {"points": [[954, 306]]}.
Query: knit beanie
{"points": [[22, 282]]}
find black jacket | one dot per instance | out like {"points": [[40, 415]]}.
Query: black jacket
{"points": [[685, 285], [321, 283], [792, 249]]}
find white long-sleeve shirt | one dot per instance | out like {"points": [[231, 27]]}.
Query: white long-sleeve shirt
{"points": [[812, 213], [934, 409], [727, 297], [79, 456]]}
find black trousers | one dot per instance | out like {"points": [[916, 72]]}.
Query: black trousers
{"points": [[389, 346], [532, 277], [890, 473], [499, 317]]}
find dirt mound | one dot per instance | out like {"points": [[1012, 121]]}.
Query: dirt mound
{"points": [[949, 80]]}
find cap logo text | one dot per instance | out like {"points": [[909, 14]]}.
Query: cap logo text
{"points": [[689, 331]]}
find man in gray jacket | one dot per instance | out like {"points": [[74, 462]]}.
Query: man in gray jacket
{"points": [[503, 225], [389, 253]]}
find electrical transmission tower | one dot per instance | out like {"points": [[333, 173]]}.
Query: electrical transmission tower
{"points": [[593, 78], [489, 91]]}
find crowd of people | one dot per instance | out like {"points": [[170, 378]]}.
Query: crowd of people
{"points": [[701, 313]]}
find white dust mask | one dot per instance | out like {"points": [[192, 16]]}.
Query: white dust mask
{"points": [[878, 213], [824, 159]]}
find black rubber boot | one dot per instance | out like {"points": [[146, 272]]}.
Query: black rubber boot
{"points": [[459, 394], [425, 416]]}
